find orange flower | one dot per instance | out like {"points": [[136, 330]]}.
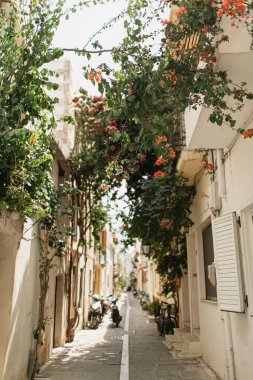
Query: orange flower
{"points": [[181, 11], [160, 161], [204, 30], [159, 173], [160, 139], [91, 76], [172, 153], [248, 134], [213, 4]]}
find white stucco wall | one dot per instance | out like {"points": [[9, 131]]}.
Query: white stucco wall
{"points": [[239, 186], [19, 300], [239, 196], [212, 337]]}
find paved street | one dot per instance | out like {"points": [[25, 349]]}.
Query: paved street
{"points": [[97, 354]]}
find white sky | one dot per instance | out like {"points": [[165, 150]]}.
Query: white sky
{"points": [[75, 32]]}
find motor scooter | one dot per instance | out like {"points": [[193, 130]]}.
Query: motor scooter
{"points": [[95, 313], [135, 293], [105, 305], [115, 315], [144, 298]]}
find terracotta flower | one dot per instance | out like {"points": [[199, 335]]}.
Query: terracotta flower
{"points": [[159, 173], [160, 161]]}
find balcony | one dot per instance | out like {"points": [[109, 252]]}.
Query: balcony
{"points": [[236, 58], [189, 164]]}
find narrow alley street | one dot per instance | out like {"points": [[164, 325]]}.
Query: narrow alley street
{"points": [[97, 354]]}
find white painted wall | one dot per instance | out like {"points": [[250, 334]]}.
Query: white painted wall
{"points": [[239, 196], [19, 297]]}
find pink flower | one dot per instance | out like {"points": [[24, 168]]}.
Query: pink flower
{"points": [[113, 123]]}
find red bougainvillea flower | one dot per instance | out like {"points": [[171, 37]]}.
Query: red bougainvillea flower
{"points": [[167, 145], [159, 173], [113, 123], [172, 153], [248, 134], [160, 161], [75, 100], [210, 167], [166, 22], [142, 158]]}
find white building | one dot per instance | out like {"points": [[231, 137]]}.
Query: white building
{"points": [[218, 312]]}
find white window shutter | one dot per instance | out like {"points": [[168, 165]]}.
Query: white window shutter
{"points": [[228, 267]]}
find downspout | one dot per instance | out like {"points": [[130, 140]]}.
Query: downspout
{"points": [[221, 173], [229, 346]]}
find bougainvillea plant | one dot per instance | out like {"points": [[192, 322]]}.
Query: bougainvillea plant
{"points": [[152, 88]]}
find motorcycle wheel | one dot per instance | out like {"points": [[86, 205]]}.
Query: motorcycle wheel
{"points": [[144, 306], [94, 323]]}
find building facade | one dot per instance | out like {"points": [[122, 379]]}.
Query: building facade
{"points": [[217, 291]]}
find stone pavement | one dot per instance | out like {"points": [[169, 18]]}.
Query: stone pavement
{"points": [[150, 359], [96, 354], [93, 355]]}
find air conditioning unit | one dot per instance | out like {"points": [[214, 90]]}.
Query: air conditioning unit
{"points": [[214, 199]]}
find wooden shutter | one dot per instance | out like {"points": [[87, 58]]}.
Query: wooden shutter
{"points": [[227, 260]]}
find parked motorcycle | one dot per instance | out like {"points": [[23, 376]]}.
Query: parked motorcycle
{"points": [[144, 298], [115, 315], [167, 320], [135, 293], [105, 305], [95, 313]]}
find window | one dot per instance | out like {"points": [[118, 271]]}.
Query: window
{"points": [[211, 291]]}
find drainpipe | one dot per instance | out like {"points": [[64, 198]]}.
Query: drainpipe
{"points": [[229, 346], [221, 173]]}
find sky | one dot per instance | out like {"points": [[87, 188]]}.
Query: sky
{"points": [[75, 32]]}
